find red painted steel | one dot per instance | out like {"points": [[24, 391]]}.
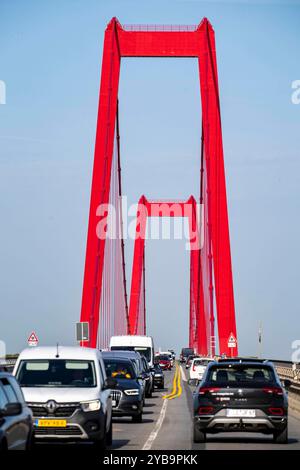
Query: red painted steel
{"points": [[215, 259], [198, 338]]}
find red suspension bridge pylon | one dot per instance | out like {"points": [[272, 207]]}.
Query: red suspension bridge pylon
{"points": [[200, 330], [104, 299]]}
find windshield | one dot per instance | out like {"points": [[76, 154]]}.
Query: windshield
{"points": [[56, 373], [119, 369], [140, 349], [164, 357], [241, 375]]}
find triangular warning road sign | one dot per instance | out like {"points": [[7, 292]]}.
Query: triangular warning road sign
{"points": [[232, 341], [33, 339]]}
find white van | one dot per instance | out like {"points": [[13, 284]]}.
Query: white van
{"points": [[142, 344], [68, 392]]}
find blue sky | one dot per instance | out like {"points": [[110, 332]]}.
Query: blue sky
{"points": [[50, 60]]}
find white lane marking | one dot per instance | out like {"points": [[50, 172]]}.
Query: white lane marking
{"points": [[153, 435], [183, 374]]}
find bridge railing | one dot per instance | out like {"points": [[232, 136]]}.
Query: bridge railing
{"points": [[285, 370], [292, 374], [290, 371], [8, 364]]}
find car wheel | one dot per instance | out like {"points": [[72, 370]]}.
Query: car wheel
{"points": [[199, 436], [3, 445], [101, 444], [109, 435], [137, 418], [30, 441], [281, 437]]}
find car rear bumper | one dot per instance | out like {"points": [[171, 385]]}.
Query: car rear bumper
{"points": [[159, 381], [221, 423], [196, 377]]}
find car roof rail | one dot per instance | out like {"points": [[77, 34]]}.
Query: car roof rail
{"points": [[242, 359]]}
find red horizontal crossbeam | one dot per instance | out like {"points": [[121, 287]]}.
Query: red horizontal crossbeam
{"points": [[198, 325]]}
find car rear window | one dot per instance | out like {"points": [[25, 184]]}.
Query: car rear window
{"points": [[200, 362], [239, 374], [187, 351]]}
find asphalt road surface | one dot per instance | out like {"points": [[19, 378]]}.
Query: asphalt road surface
{"points": [[170, 428], [167, 425]]}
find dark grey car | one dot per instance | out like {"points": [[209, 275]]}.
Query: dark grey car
{"points": [[137, 361], [127, 396], [16, 428], [241, 395]]}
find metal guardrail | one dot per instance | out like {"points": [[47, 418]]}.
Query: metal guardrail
{"points": [[159, 28], [290, 371], [7, 364]]}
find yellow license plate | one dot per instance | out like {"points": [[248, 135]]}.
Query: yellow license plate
{"points": [[51, 423]]}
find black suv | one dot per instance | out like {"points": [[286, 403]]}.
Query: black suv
{"points": [[127, 397], [241, 395]]}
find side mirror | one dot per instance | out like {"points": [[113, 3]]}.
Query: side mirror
{"points": [[287, 383], [11, 409], [110, 383]]}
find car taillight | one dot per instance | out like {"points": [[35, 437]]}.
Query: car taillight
{"points": [[194, 367], [276, 411], [205, 410], [273, 391], [204, 390]]}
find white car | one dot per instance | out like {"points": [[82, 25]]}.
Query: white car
{"points": [[68, 392], [197, 369], [139, 343]]}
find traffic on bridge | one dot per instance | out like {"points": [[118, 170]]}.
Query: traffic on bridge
{"points": [[130, 381]]}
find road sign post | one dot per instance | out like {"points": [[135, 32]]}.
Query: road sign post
{"points": [[82, 332], [260, 340], [232, 343]]}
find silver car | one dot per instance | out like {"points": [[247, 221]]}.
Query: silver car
{"points": [[68, 393]]}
